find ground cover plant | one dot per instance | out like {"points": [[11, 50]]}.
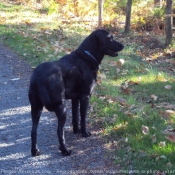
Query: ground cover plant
{"points": [[133, 103]]}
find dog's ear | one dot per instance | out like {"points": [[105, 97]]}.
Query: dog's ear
{"points": [[101, 37]]}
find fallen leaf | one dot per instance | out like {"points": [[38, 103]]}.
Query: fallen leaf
{"points": [[170, 106], [120, 62], [163, 157], [102, 98], [117, 70], [124, 86], [113, 63], [92, 106], [154, 138], [145, 130], [167, 105], [121, 100], [102, 76], [169, 165], [128, 113], [167, 114], [171, 138], [133, 83], [162, 144], [110, 101], [154, 97], [169, 132], [127, 91], [120, 126], [104, 131], [168, 87], [170, 112], [28, 22]]}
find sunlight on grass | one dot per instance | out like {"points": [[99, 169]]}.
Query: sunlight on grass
{"points": [[124, 118], [122, 101]]}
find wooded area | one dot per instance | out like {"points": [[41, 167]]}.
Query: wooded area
{"points": [[148, 15], [132, 106]]}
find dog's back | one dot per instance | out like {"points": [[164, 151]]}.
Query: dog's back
{"points": [[46, 86]]}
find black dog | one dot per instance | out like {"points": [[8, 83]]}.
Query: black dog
{"points": [[72, 77]]}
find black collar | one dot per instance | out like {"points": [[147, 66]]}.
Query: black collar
{"points": [[88, 53]]}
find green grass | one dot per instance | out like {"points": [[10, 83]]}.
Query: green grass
{"points": [[37, 40], [139, 149]]}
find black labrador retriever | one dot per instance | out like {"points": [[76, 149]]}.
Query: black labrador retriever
{"points": [[71, 77]]}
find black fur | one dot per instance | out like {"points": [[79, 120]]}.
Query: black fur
{"points": [[72, 77]]}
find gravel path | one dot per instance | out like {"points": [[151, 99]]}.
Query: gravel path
{"points": [[88, 154]]}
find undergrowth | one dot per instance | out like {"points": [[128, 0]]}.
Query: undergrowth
{"points": [[134, 99]]}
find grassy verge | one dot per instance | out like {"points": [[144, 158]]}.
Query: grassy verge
{"points": [[133, 101], [134, 106], [37, 37]]}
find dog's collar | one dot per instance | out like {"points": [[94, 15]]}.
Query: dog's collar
{"points": [[88, 53]]}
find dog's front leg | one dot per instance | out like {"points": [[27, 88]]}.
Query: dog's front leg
{"points": [[84, 104], [75, 116]]}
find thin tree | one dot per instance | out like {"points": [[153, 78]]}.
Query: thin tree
{"points": [[100, 12], [168, 22], [128, 16]]}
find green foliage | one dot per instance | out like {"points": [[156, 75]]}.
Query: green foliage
{"points": [[121, 113], [53, 8], [124, 122], [159, 12]]}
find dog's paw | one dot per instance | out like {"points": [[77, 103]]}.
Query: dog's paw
{"points": [[76, 130], [86, 134], [65, 152], [35, 152]]}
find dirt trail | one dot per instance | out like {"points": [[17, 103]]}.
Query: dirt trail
{"points": [[88, 156]]}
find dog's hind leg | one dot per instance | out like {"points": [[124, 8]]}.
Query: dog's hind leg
{"points": [[75, 116], [35, 112], [84, 103], [61, 115]]}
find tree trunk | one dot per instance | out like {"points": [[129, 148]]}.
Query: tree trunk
{"points": [[100, 12], [128, 16], [168, 23]]}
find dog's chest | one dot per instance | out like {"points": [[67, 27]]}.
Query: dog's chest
{"points": [[79, 84]]}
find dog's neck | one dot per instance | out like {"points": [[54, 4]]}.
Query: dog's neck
{"points": [[89, 54]]}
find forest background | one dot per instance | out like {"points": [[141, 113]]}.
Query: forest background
{"points": [[133, 104]]}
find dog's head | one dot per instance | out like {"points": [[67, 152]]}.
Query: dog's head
{"points": [[111, 47]]}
